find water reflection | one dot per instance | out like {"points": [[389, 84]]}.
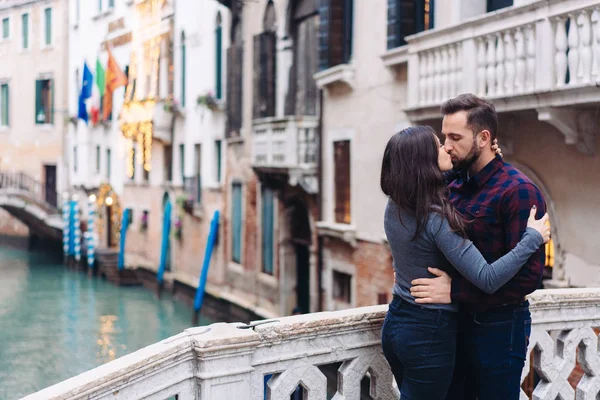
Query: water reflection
{"points": [[55, 323]]}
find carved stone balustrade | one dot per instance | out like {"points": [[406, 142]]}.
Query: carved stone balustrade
{"points": [[230, 361]]}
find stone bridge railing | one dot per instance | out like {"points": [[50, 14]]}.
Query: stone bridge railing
{"points": [[331, 354], [19, 183]]}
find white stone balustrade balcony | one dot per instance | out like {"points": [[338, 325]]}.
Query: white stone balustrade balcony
{"points": [[543, 54], [287, 145], [230, 361]]}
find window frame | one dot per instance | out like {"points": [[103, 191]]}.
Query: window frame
{"points": [[270, 246], [50, 109], [26, 31], [398, 38]]}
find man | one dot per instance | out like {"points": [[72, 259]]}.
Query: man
{"points": [[496, 199]]}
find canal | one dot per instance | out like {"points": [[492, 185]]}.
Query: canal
{"points": [[56, 323]]}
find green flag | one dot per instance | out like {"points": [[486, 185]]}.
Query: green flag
{"points": [[100, 77]]}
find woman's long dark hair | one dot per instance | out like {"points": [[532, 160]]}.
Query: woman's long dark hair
{"points": [[411, 177]]}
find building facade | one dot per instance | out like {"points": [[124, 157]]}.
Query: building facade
{"points": [[33, 97]]}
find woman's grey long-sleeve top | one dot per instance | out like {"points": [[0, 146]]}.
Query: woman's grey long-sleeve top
{"points": [[439, 247]]}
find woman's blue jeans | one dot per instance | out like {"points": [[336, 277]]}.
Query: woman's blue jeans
{"points": [[420, 345]]}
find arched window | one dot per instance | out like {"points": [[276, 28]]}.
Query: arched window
{"points": [[265, 62], [183, 63], [218, 57]]}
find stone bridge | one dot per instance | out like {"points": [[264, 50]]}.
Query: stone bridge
{"points": [[30, 202]]}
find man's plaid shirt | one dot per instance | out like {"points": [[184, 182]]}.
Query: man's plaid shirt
{"points": [[496, 203]]}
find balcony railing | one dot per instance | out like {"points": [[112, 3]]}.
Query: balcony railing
{"points": [[531, 56], [330, 350], [288, 143]]}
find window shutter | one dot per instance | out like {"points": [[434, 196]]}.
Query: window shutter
{"points": [[183, 72], [238, 88], [342, 181], [270, 41], [258, 72], [218, 151], [348, 17], [236, 222], [48, 15], [323, 34], [392, 24], [267, 230], [229, 90], [407, 10], [25, 23], [219, 62], [4, 102], [431, 14], [50, 114], [38, 99], [337, 25]]}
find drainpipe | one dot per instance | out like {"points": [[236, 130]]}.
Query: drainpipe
{"points": [[320, 201]]}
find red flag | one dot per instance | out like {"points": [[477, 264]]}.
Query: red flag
{"points": [[114, 79]]}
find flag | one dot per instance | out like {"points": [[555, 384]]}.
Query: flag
{"points": [[114, 78], [98, 92], [86, 92]]}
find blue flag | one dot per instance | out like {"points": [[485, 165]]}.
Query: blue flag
{"points": [[86, 92]]}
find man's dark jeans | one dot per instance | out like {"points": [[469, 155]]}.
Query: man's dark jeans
{"points": [[491, 351], [419, 344]]}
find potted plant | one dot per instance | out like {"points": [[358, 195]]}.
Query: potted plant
{"points": [[208, 100], [177, 225], [172, 105]]}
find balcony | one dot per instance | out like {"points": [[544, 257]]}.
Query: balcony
{"points": [[287, 146], [340, 74], [331, 349], [541, 56], [137, 113]]}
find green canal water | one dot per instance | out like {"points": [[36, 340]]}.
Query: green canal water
{"points": [[56, 323]]}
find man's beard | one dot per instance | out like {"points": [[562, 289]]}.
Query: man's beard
{"points": [[469, 159]]}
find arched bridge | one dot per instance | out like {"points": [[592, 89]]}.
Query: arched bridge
{"points": [[30, 202]]}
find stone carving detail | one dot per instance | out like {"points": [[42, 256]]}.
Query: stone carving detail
{"points": [[554, 362], [309, 376], [578, 126], [352, 372]]}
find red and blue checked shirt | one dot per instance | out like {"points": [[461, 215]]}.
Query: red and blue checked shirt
{"points": [[496, 203]]}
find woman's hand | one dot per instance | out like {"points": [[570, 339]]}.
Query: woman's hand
{"points": [[497, 148], [540, 225]]}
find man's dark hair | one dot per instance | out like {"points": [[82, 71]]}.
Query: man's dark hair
{"points": [[481, 114]]}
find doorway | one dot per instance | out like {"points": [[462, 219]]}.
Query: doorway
{"points": [[109, 228], [303, 277], [50, 185]]}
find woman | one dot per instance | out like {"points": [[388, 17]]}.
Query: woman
{"points": [[424, 230]]}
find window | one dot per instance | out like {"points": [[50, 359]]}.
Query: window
{"points": [[342, 287], [219, 58], [44, 96], [168, 163], [25, 31], [342, 181], [98, 159], [183, 69], [218, 154], [335, 32], [48, 26], [234, 83], [108, 161], [407, 17], [265, 63], [182, 161], [99, 6], [145, 175], [5, 28], [75, 159], [236, 223], [77, 11], [267, 229], [111, 3], [493, 5], [4, 99]]}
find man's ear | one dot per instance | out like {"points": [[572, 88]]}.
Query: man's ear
{"points": [[485, 139]]}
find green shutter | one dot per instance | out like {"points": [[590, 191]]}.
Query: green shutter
{"points": [[236, 221], [111, 3], [48, 15], [4, 103], [99, 5], [219, 66], [218, 150], [182, 160], [108, 164], [5, 28], [38, 100], [25, 25], [50, 107], [267, 230]]}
